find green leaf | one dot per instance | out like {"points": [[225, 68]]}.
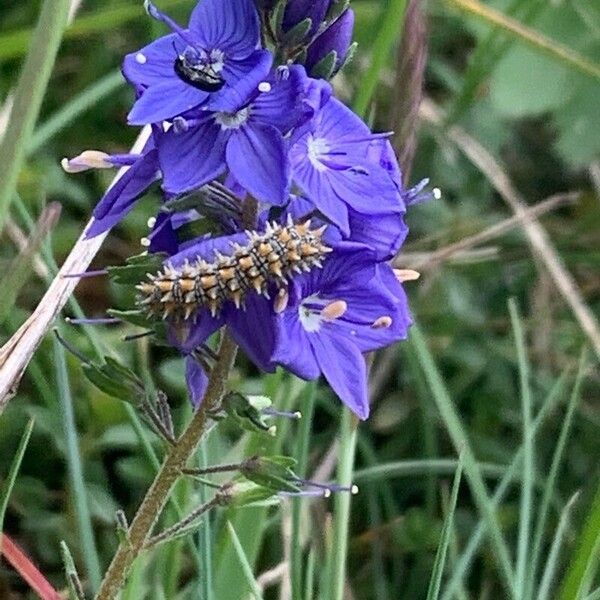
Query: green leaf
{"points": [[137, 268], [273, 473], [325, 68], [297, 34], [527, 83], [14, 470], [116, 380]]}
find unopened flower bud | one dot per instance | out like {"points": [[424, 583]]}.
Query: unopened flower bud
{"points": [[298, 11], [332, 48]]}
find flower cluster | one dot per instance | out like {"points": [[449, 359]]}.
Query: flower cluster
{"points": [[300, 206]]}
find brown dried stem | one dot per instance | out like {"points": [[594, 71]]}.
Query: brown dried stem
{"points": [[408, 85], [537, 236]]}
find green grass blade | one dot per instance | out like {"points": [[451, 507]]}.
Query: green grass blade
{"points": [[526, 503], [15, 43], [390, 25], [544, 510], [410, 468], [14, 470], [301, 456], [205, 534], [545, 592], [246, 568], [439, 564], [473, 473], [75, 108], [309, 586], [533, 38], [584, 563], [80, 497], [29, 94], [341, 517], [511, 474]]}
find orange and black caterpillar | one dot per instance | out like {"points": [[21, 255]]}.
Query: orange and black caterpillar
{"points": [[268, 258]]}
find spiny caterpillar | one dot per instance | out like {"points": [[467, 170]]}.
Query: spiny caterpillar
{"points": [[268, 258]]}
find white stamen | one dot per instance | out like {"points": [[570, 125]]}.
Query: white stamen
{"points": [[334, 310], [316, 148], [151, 222], [403, 275], [140, 58], [327, 494], [382, 323], [145, 242], [354, 490], [232, 120], [90, 159], [264, 87], [437, 193]]}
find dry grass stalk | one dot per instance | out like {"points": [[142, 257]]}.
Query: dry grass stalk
{"points": [[537, 236], [18, 351], [431, 260], [408, 85]]}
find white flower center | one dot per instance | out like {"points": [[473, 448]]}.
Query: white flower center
{"points": [[314, 310], [233, 120], [309, 317], [217, 60], [317, 147]]}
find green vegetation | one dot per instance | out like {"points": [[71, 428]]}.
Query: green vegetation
{"points": [[478, 470]]}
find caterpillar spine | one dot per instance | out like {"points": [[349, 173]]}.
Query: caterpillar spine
{"points": [[267, 260]]}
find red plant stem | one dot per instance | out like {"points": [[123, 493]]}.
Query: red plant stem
{"points": [[27, 570]]}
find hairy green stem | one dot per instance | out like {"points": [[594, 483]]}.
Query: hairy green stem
{"points": [[176, 460]]}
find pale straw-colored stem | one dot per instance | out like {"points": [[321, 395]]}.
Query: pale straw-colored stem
{"points": [[19, 349]]}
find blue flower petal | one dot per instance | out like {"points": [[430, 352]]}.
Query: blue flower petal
{"points": [[193, 158], [242, 77], [196, 379], [345, 370], [154, 63], [122, 196], [292, 347], [228, 25], [283, 106], [254, 330], [165, 100], [257, 158]]}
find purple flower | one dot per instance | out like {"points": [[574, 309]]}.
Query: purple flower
{"points": [[249, 141], [143, 171], [353, 305], [331, 164], [297, 11], [332, 45], [214, 63]]}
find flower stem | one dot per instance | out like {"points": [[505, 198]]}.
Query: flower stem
{"points": [[171, 470], [341, 517]]}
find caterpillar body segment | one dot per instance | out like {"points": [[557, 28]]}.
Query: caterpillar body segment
{"points": [[268, 260]]}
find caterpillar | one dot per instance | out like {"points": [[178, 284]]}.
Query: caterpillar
{"points": [[268, 260]]}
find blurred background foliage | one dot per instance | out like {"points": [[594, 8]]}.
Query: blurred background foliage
{"points": [[535, 113]]}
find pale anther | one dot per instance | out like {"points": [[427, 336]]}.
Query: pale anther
{"points": [[403, 275], [90, 159], [384, 322], [334, 310]]}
